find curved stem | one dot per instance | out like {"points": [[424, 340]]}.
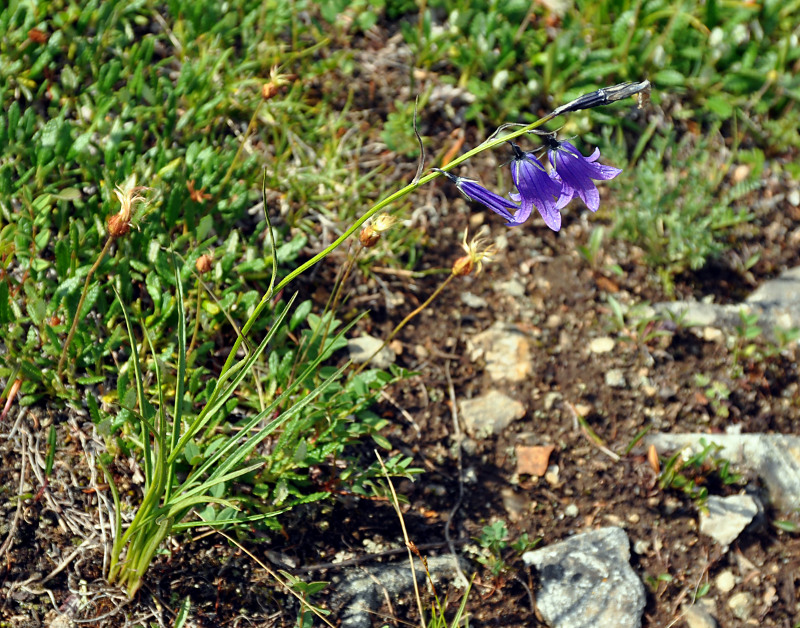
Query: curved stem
{"points": [[490, 143], [77, 316]]}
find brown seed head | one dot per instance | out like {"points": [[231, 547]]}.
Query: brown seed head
{"points": [[463, 266], [204, 262], [38, 36], [369, 237], [268, 90], [478, 250], [120, 223], [371, 234], [276, 81]]}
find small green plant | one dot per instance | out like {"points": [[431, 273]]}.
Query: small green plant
{"points": [[494, 539], [689, 475], [655, 581], [743, 348], [639, 324], [304, 591], [716, 392], [592, 249]]}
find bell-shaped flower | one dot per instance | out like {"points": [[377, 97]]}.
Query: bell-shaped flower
{"points": [[474, 191], [536, 189], [576, 173]]}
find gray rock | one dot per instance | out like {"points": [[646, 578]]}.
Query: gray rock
{"points": [[473, 301], [506, 351], [586, 581], [362, 348], [512, 288], [773, 457], [698, 617], [725, 518], [489, 414], [777, 303], [615, 378], [361, 592], [741, 604]]}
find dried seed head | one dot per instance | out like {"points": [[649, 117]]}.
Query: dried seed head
{"points": [[369, 237], [478, 250], [463, 266], [268, 90], [371, 234], [276, 81], [204, 262], [120, 223]]}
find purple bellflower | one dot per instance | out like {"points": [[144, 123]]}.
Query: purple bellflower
{"points": [[536, 189], [474, 191], [576, 173]]}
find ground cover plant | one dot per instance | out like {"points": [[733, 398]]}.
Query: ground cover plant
{"points": [[176, 180]]}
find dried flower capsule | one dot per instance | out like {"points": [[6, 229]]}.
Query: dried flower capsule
{"points": [[204, 262], [120, 223], [371, 234], [478, 250]]}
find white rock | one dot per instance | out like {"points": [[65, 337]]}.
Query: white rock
{"points": [[725, 518], [697, 617], [741, 604], [489, 414], [615, 378], [362, 349], [506, 351], [725, 581], [603, 344]]}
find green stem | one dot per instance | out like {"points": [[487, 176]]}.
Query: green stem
{"points": [[77, 316], [367, 215]]}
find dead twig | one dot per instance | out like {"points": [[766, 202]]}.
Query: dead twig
{"points": [[457, 436], [15, 522], [593, 438]]}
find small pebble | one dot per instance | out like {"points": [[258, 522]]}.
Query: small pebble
{"points": [[601, 345], [615, 378], [551, 476], [741, 604], [571, 511], [725, 581]]}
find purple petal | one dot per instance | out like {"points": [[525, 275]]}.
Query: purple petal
{"points": [[536, 189], [577, 172], [476, 192]]}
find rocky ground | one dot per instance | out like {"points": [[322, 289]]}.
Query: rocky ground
{"points": [[525, 367], [531, 403]]}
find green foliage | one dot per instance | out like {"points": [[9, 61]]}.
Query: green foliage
{"points": [[494, 539], [716, 392], [748, 346], [689, 475], [722, 61], [113, 92], [191, 460], [671, 206]]}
